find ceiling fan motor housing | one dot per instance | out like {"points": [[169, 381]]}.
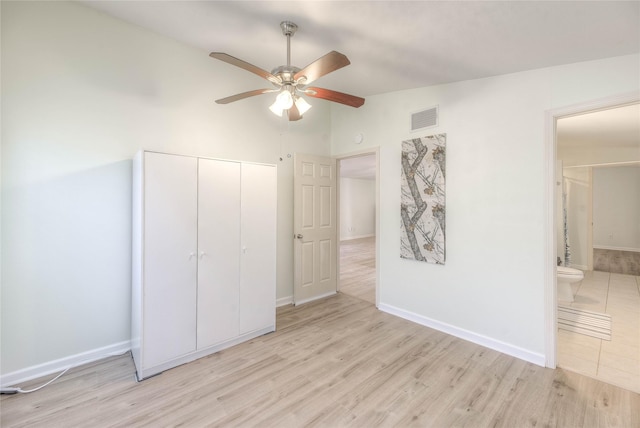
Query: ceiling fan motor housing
{"points": [[286, 73]]}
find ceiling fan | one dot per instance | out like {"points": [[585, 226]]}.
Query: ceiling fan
{"points": [[291, 82]]}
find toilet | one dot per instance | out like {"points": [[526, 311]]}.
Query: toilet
{"points": [[567, 276]]}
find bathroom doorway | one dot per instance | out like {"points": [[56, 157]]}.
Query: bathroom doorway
{"points": [[592, 146], [358, 225]]}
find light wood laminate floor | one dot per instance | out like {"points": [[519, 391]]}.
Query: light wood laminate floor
{"points": [[358, 268], [336, 362]]}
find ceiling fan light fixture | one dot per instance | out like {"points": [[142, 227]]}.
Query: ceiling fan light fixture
{"points": [[302, 105], [284, 100], [276, 109]]}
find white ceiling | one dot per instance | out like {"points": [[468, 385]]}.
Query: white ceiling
{"points": [[396, 45], [613, 128]]}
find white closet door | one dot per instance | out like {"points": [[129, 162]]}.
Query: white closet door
{"points": [[219, 251], [258, 247], [170, 260]]}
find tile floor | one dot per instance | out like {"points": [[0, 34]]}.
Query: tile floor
{"points": [[617, 361]]}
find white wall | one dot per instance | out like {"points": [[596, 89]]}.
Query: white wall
{"points": [[491, 288], [616, 207], [357, 208], [81, 93]]}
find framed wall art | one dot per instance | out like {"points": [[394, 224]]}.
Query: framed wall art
{"points": [[422, 205]]}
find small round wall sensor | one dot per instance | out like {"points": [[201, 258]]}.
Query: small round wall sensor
{"points": [[359, 138]]}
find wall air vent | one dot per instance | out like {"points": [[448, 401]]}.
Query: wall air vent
{"points": [[424, 119]]}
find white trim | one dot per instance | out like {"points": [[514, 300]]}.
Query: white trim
{"points": [[604, 165], [311, 299], [284, 301], [606, 247], [505, 348], [147, 372], [550, 252], [548, 203], [55, 366], [589, 225], [369, 235]]}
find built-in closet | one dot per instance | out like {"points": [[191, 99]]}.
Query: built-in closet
{"points": [[204, 257]]}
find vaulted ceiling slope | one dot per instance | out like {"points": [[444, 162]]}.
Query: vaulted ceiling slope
{"points": [[397, 45]]}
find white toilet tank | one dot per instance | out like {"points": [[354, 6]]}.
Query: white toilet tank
{"points": [[570, 274]]}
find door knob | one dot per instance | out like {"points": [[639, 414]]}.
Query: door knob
{"points": [[299, 236]]}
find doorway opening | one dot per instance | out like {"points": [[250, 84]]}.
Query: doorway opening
{"points": [[358, 225], [584, 142]]}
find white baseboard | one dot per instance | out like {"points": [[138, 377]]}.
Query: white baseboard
{"points": [[146, 372], [505, 348], [349, 238], [605, 247], [57, 366], [322, 296], [284, 301]]}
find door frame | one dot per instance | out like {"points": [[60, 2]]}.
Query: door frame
{"points": [[549, 206], [368, 151]]}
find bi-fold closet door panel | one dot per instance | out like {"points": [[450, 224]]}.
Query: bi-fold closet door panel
{"points": [[258, 246], [218, 251], [204, 267], [170, 259]]}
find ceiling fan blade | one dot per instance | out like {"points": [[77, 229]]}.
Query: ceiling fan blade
{"points": [[323, 65], [335, 96], [294, 113], [245, 65], [238, 97]]}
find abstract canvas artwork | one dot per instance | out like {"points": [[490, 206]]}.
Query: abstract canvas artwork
{"points": [[422, 206]]}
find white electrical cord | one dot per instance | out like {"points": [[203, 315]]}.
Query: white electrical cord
{"points": [[22, 391], [27, 391]]}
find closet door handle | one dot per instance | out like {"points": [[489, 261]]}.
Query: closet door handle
{"points": [[202, 254], [191, 255]]}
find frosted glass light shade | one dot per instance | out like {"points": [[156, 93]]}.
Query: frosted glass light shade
{"points": [[276, 109], [283, 101], [302, 105]]}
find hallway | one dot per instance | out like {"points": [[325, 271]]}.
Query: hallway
{"points": [[358, 268]]}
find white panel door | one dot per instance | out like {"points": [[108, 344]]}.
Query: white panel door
{"points": [[258, 247], [170, 260], [218, 251], [314, 220]]}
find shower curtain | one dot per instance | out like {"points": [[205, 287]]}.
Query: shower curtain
{"points": [[566, 188]]}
